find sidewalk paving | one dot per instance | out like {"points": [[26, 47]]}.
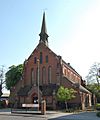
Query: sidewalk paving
{"points": [[49, 114], [56, 115], [77, 116]]}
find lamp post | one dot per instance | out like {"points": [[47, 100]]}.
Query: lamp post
{"points": [[38, 77]]}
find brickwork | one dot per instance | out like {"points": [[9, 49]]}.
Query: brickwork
{"points": [[51, 71]]}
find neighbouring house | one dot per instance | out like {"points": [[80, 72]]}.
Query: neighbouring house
{"points": [[4, 100], [44, 72]]}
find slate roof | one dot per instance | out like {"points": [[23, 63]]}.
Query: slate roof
{"points": [[77, 85], [82, 89], [47, 90], [24, 91]]}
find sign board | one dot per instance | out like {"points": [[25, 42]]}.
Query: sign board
{"points": [[30, 105]]}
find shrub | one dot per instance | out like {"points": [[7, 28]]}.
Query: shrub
{"points": [[98, 114], [98, 106], [2, 104]]}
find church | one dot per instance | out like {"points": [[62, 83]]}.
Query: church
{"points": [[44, 72]]}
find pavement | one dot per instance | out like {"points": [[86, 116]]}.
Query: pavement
{"points": [[77, 116], [54, 115]]}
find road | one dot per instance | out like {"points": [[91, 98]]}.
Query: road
{"points": [[50, 115], [78, 116]]}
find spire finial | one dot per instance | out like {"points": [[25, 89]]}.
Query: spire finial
{"points": [[43, 35]]}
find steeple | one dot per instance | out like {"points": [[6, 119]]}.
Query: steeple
{"points": [[43, 35]]}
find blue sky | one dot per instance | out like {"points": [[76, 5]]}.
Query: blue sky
{"points": [[73, 27]]}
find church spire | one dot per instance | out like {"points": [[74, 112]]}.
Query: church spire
{"points": [[43, 35]]}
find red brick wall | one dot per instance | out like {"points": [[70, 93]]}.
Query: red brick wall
{"points": [[70, 74], [52, 61]]}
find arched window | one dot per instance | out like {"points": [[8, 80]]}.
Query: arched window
{"points": [[49, 74], [46, 58], [37, 76], [36, 82], [41, 59], [32, 76], [43, 75], [35, 60]]}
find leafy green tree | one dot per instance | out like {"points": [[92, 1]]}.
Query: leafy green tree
{"points": [[93, 80], [65, 94], [95, 89], [13, 75]]}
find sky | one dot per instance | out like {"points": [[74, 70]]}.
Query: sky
{"points": [[73, 27]]}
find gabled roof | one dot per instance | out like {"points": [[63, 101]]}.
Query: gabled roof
{"points": [[44, 41], [57, 56], [43, 46], [77, 85]]}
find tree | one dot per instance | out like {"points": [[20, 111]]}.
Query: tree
{"points": [[93, 80], [0, 90], [13, 75], [95, 89], [94, 74], [2, 80], [65, 94]]}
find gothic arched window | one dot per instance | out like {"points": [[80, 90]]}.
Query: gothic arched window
{"points": [[32, 76], [41, 59], [36, 82], [49, 74], [43, 75]]}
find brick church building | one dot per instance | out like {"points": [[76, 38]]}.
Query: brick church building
{"points": [[44, 72]]}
